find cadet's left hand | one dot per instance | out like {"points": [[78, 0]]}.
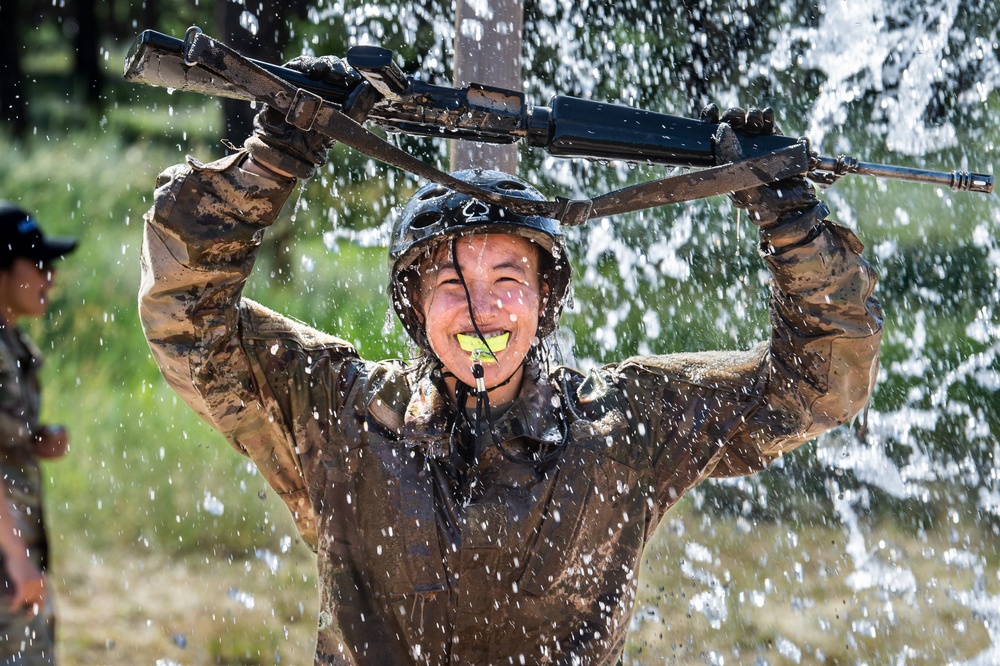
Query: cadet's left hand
{"points": [[27, 593], [286, 149], [767, 204]]}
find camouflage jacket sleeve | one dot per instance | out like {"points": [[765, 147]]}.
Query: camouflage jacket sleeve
{"points": [[733, 413], [201, 239]]}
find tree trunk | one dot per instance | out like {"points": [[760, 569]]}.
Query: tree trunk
{"points": [[487, 51], [262, 35], [87, 69], [13, 106], [150, 14]]}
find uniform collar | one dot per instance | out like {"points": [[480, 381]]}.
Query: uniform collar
{"points": [[430, 413]]}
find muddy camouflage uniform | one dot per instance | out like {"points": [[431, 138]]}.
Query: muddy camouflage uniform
{"points": [[23, 640], [541, 565]]}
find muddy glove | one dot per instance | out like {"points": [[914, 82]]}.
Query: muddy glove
{"points": [[768, 204], [278, 143]]}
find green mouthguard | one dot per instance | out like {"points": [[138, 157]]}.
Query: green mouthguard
{"points": [[483, 352]]}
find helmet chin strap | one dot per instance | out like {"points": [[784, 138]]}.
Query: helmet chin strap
{"points": [[483, 408], [477, 367]]}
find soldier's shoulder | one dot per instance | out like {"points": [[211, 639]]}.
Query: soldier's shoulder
{"points": [[260, 322], [391, 372], [736, 370], [594, 386]]}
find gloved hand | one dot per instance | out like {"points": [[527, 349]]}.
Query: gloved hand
{"points": [[277, 143], [767, 204]]}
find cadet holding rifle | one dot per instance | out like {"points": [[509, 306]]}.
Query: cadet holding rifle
{"points": [[567, 127], [478, 505]]}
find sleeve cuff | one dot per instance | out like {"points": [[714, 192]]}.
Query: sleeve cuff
{"points": [[793, 231]]}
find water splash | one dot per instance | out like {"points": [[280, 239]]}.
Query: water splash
{"points": [[270, 559], [249, 22], [711, 602], [869, 570], [213, 505], [244, 599]]}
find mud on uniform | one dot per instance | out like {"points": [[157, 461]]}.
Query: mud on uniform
{"points": [[541, 564], [23, 640]]}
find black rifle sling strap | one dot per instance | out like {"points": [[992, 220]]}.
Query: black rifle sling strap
{"points": [[310, 112]]}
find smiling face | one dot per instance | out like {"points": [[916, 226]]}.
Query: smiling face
{"points": [[501, 273], [24, 289]]}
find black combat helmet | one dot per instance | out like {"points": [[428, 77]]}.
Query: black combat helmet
{"points": [[436, 214]]}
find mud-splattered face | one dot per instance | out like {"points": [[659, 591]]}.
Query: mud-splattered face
{"points": [[501, 273]]}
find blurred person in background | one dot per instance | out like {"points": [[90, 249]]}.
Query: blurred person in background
{"points": [[27, 272]]}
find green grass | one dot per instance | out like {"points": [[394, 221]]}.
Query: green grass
{"points": [[140, 465]]}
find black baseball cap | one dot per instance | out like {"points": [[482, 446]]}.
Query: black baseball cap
{"points": [[20, 236]]}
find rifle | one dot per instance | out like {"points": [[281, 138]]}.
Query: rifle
{"points": [[569, 127]]}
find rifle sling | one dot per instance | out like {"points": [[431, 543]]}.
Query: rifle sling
{"points": [[308, 111]]}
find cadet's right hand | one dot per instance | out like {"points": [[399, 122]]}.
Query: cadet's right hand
{"points": [[282, 147], [767, 204]]}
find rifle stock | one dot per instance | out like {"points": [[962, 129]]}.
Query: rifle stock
{"points": [[569, 127], [156, 59]]}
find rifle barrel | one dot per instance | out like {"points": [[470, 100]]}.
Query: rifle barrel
{"points": [[959, 181]]}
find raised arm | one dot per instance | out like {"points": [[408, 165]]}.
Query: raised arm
{"points": [[820, 367], [200, 243], [201, 240], [204, 229], [733, 413]]}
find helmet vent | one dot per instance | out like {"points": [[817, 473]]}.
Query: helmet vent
{"points": [[433, 193], [511, 185], [426, 219]]}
